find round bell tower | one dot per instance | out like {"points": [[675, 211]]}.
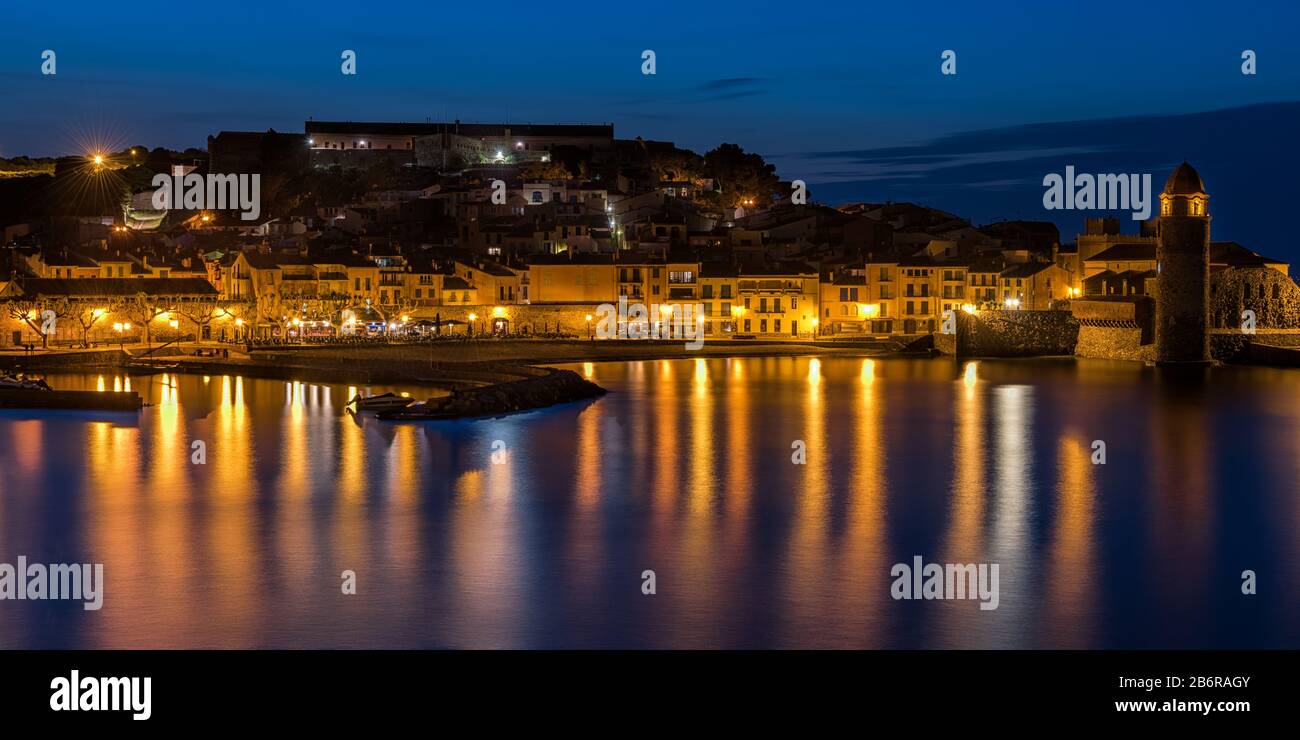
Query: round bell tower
{"points": [[1183, 271]]}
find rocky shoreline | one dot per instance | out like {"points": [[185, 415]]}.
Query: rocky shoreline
{"points": [[477, 389], [553, 387]]}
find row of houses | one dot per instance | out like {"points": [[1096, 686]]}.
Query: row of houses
{"points": [[879, 296]]}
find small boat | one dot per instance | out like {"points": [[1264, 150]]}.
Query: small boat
{"points": [[150, 368], [430, 410], [9, 383], [383, 402]]}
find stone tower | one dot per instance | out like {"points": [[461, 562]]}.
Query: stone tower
{"points": [[1183, 266]]}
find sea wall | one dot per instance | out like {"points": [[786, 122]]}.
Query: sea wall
{"points": [[1114, 343], [1265, 346], [1116, 327], [64, 360], [1010, 334]]}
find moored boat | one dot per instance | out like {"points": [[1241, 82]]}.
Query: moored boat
{"points": [[382, 402], [151, 368]]}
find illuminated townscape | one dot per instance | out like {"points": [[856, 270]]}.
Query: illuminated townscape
{"points": [[962, 337], [390, 231]]}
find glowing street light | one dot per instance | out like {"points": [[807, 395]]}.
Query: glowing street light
{"points": [[968, 307]]}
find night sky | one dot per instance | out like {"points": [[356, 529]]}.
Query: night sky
{"points": [[827, 91]]}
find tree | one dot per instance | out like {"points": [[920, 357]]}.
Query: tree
{"points": [[546, 171], [87, 315], [241, 311], [201, 313], [330, 308], [675, 165], [269, 309], [403, 306], [143, 309], [740, 175], [32, 313]]}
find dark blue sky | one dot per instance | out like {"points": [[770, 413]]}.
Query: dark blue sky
{"points": [[789, 80]]}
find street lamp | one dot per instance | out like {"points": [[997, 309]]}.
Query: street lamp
{"points": [[590, 335]]}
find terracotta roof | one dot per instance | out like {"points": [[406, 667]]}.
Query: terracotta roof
{"points": [[1127, 251]]}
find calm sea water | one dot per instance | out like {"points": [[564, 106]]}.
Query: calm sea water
{"points": [[684, 469]]}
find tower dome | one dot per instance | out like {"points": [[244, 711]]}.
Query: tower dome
{"points": [[1184, 194], [1184, 181]]}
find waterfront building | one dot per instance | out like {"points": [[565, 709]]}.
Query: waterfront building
{"points": [[778, 301], [845, 305], [1034, 286]]}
